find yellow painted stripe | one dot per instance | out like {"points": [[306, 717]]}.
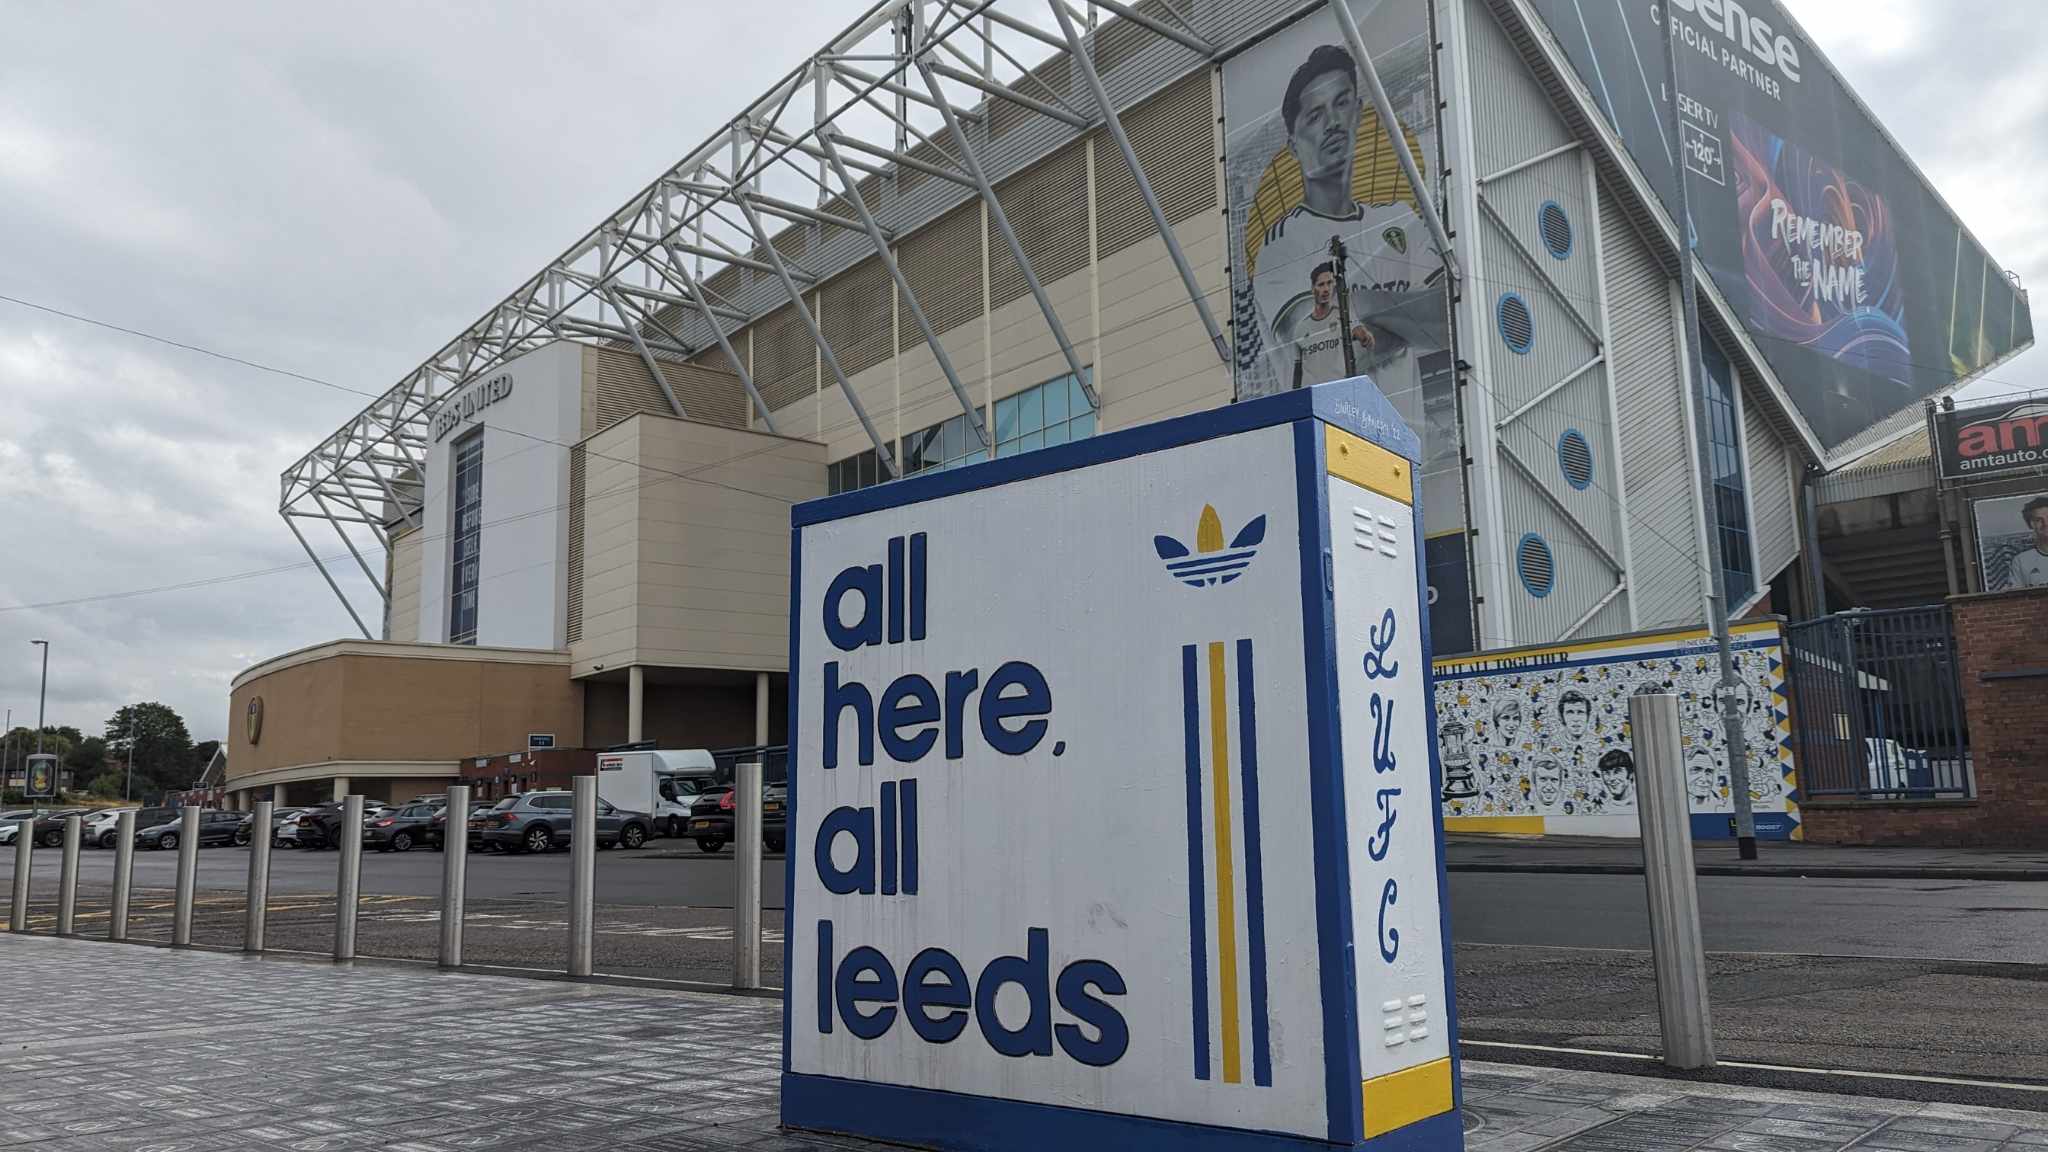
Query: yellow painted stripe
{"points": [[1454, 663], [1399, 1099], [1496, 825], [1226, 885], [1367, 465]]}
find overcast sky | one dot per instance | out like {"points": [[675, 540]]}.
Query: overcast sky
{"points": [[338, 189]]}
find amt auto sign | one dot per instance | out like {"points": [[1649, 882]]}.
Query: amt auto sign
{"points": [[1112, 795], [1992, 440]]}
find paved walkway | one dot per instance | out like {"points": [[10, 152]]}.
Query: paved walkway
{"points": [[1601, 855], [136, 1048]]}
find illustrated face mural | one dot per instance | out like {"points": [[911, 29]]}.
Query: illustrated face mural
{"points": [[1700, 771], [1617, 777], [1507, 723], [1576, 713], [1548, 787]]}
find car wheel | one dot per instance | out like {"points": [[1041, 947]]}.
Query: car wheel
{"points": [[709, 843], [54, 838], [632, 836], [402, 842], [538, 840], [167, 841], [241, 838]]}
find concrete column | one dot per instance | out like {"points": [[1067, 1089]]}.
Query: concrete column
{"points": [[277, 795], [341, 787], [636, 704], [760, 708]]}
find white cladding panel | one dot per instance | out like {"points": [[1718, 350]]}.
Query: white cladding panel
{"points": [[523, 583], [1403, 1005], [1089, 833]]}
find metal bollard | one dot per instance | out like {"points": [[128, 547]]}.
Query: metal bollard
{"points": [[454, 873], [124, 875], [24, 857], [256, 915], [582, 874], [1676, 952], [67, 877], [348, 880], [188, 875], [746, 857]]}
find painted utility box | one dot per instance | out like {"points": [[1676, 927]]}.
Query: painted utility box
{"points": [[1113, 796]]}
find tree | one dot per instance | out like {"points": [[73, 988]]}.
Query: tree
{"points": [[161, 745], [202, 755], [21, 743]]}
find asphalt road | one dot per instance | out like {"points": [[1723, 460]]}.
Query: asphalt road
{"points": [[1943, 978]]}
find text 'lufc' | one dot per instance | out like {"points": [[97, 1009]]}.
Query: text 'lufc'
{"points": [[915, 720]]}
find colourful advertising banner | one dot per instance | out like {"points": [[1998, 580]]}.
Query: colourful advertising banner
{"points": [[1862, 289]]}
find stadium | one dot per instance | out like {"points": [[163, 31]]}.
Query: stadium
{"points": [[959, 232]]}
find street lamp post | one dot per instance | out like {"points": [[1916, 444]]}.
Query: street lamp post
{"points": [[42, 695]]}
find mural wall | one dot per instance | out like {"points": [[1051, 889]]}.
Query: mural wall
{"points": [[1537, 740]]}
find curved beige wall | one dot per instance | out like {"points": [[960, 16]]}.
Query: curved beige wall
{"points": [[362, 701]]}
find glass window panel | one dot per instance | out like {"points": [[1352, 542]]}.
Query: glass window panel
{"points": [[1077, 399], [870, 466], [1031, 410], [1031, 442], [1055, 395], [1006, 419], [976, 456], [1081, 426], [1056, 434], [953, 442]]}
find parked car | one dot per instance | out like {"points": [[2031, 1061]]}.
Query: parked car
{"points": [[278, 816], [399, 831], [476, 824], [148, 817], [50, 826], [711, 818], [538, 821], [102, 828], [215, 827]]}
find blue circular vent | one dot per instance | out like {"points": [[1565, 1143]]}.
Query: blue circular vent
{"points": [[1536, 567], [1517, 325], [1575, 459], [1555, 228]]}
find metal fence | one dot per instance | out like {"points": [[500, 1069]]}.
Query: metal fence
{"points": [[1877, 705]]}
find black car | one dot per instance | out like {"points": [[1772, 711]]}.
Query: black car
{"points": [[278, 816], [144, 818], [320, 825], [49, 831], [215, 827], [711, 818], [400, 831]]}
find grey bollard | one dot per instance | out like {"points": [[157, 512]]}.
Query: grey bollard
{"points": [[348, 880], [1676, 952], [24, 859], [255, 915], [582, 874], [124, 875], [454, 873], [188, 875], [67, 877], [746, 857]]}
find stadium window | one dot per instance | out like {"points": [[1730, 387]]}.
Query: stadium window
{"points": [[1054, 412], [463, 553], [861, 470], [1731, 495], [947, 444]]}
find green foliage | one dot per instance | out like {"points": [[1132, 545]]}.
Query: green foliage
{"points": [[161, 746]]}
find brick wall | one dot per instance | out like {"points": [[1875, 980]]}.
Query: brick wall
{"points": [[1997, 634]]}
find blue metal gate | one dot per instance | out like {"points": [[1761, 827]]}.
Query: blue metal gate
{"points": [[1877, 705]]}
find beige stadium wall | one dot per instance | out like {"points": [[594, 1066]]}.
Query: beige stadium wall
{"points": [[402, 577], [684, 557]]}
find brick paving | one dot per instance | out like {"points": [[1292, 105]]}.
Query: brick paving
{"points": [[139, 1049]]}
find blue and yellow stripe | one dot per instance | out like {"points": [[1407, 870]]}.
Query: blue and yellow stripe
{"points": [[1216, 853]]}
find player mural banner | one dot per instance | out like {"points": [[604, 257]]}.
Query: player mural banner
{"points": [[1306, 160], [1537, 740], [1863, 291], [2012, 541]]}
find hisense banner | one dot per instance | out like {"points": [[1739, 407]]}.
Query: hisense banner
{"points": [[1864, 293]]}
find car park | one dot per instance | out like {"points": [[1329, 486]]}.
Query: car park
{"points": [[102, 828], [146, 817], [50, 826], [712, 818], [215, 827], [539, 821], [402, 830]]}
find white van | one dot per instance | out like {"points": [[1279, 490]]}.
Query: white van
{"points": [[662, 782]]}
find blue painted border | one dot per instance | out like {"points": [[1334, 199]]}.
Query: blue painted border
{"points": [[1354, 405], [789, 775], [1705, 647], [1254, 864], [1341, 1069], [1198, 887]]}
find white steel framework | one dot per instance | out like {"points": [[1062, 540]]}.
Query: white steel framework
{"points": [[911, 87]]}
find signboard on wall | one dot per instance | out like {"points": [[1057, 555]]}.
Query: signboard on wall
{"points": [[1988, 441], [1863, 290], [1306, 159], [1537, 740], [1086, 869], [42, 774], [2012, 541]]}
